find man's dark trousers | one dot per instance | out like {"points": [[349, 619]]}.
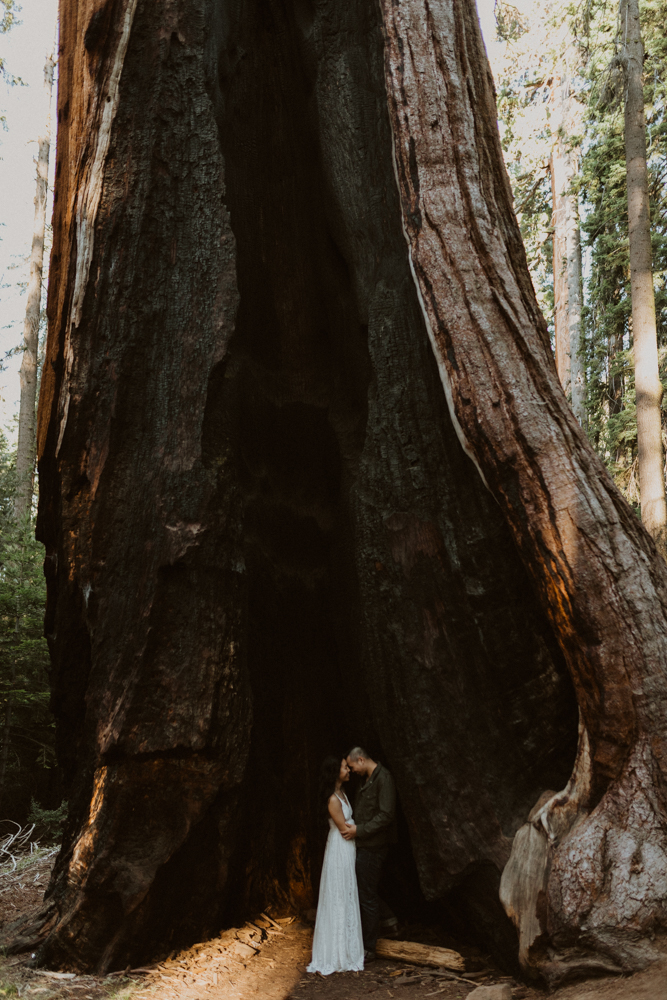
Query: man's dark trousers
{"points": [[369, 868]]}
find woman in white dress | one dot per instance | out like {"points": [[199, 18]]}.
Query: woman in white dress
{"points": [[338, 945]]}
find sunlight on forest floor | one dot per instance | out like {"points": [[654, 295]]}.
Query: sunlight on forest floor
{"points": [[278, 973], [261, 960]]}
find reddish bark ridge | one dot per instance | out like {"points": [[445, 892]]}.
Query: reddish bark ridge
{"points": [[587, 882]]}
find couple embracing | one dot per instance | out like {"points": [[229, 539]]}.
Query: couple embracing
{"points": [[348, 908]]}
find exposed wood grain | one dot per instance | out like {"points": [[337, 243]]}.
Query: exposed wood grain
{"points": [[420, 954]]}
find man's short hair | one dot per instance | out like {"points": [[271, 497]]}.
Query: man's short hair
{"points": [[358, 752]]}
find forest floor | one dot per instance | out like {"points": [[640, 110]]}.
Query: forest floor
{"points": [[266, 960]]}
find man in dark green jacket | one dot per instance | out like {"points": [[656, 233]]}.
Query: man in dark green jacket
{"points": [[375, 831]]}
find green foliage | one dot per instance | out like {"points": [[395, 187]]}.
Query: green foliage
{"points": [[8, 11], [510, 23], [607, 317], [27, 758], [49, 823], [524, 76], [543, 40]]}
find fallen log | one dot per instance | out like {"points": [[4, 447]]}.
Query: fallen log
{"points": [[420, 954]]}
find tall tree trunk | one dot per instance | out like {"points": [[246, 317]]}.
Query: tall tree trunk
{"points": [[267, 428], [647, 381], [567, 247], [25, 453]]}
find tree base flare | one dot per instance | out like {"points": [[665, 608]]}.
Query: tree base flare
{"points": [[587, 891]]}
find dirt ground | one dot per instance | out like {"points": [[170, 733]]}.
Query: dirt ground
{"points": [[267, 959]]}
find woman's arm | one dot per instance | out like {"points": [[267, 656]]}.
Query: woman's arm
{"points": [[336, 813]]}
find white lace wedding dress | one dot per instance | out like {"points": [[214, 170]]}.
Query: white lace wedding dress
{"points": [[337, 944]]}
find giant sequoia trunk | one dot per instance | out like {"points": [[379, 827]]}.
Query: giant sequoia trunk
{"points": [[305, 483]]}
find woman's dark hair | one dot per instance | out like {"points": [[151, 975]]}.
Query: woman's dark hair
{"points": [[328, 777]]}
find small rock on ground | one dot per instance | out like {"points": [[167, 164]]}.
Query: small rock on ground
{"points": [[503, 991]]}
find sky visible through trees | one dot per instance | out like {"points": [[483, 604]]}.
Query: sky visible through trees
{"points": [[23, 50]]}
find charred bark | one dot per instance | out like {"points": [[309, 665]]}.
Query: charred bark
{"points": [[256, 496], [150, 685]]}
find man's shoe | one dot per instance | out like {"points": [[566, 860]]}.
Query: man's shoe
{"points": [[389, 928], [369, 956]]}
